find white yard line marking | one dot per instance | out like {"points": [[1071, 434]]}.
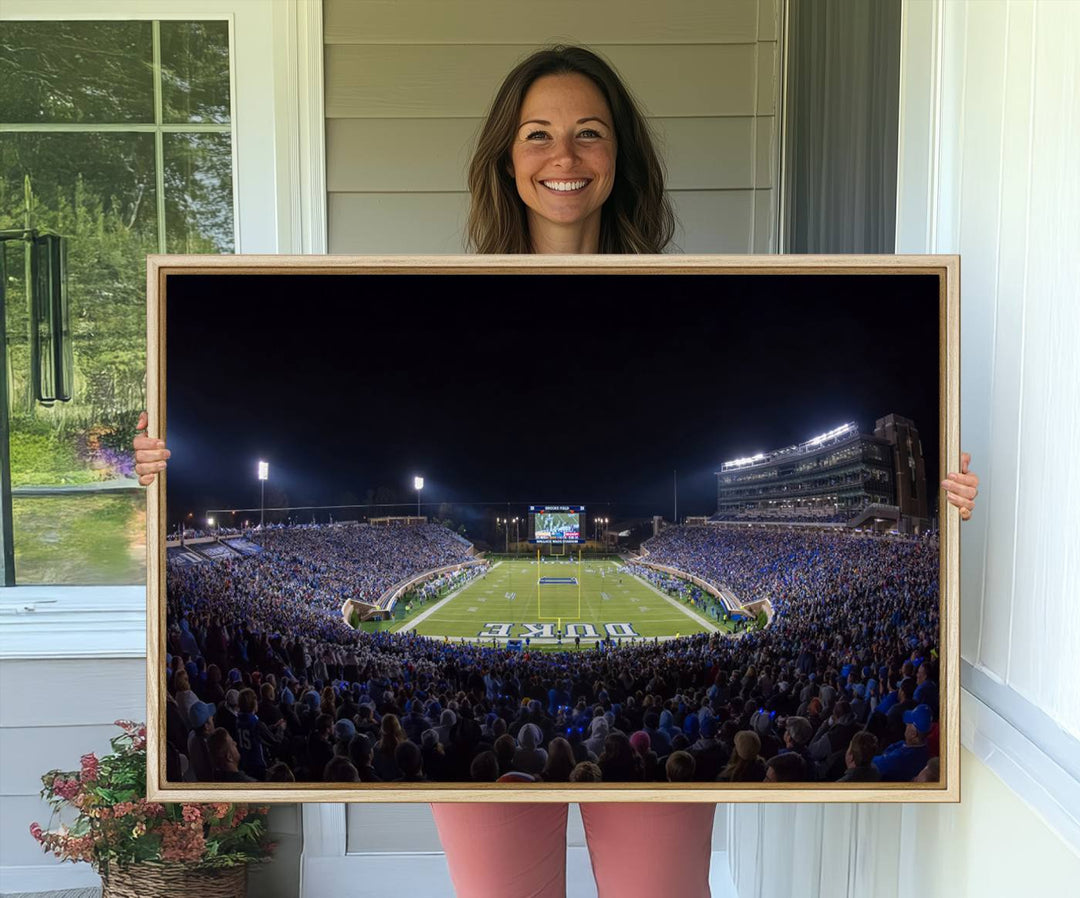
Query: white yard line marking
{"points": [[424, 615], [712, 628]]}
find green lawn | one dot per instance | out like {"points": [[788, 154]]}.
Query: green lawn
{"points": [[80, 539], [610, 603]]}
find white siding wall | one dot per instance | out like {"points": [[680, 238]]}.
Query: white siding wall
{"points": [[68, 670], [989, 143], [1009, 202], [408, 83], [83, 698]]}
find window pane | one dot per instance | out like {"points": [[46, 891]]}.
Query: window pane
{"points": [[195, 72], [198, 193], [82, 539], [76, 72], [79, 516], [97, 190]]}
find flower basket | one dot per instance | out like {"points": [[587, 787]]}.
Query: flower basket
{"points": [[173, 881], [147, 849]]}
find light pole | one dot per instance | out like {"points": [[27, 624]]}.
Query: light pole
{"points": [[264, 474], [418, 484], [517, 535]]}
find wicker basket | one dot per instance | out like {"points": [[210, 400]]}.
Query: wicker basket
{"points": [[149, 880]]}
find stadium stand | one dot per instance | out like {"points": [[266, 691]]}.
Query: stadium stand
{"points": [[832, 479], [851, 652]]}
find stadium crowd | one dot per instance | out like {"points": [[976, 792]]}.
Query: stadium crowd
{"points": [[267, 682]]}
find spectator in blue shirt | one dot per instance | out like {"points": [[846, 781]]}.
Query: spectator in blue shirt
{"points": [[903, 760]]}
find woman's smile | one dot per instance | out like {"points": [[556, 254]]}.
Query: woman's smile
{"points": [[563, 159]]}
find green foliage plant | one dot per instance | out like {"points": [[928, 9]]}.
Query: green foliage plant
{"points": [[116, 827]]}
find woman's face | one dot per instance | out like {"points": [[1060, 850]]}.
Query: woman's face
{"points": [[563, 154]]}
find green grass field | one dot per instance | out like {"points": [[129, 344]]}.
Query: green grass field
{"points": [[610, 603]]}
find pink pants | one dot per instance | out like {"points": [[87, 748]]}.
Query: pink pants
{"points": [[519, 850]]}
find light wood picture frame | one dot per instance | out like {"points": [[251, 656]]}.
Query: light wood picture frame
{"points": [[593, 272]]}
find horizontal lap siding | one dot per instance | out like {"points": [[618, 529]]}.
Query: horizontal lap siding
{"points": [[460, 81], [397, 222], [72, 693], [525, 22], [52, 713], [709, 221], [408, 84], [382, 155], [27, 752]]}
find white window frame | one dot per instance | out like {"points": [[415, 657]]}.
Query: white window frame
{"points": [[279, 198]]}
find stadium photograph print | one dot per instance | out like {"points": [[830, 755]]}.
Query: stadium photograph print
{"points": [[553, 528]]}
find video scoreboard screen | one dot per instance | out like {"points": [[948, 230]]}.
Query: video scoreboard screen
{"points": [[556, 523]]}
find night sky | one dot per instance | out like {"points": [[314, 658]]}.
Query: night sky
{"points": [[587, 389]]}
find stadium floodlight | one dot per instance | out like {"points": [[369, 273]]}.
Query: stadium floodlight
{"points": [[743, 462], [418, 484], [835, 432], [209, 522], [264, 475]]}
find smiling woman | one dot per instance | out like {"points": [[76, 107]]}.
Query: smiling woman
{"points": [[563, 162], [560, 118]]}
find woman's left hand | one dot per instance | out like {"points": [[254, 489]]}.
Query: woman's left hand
{"points": [[962, 488], [150, 453]]}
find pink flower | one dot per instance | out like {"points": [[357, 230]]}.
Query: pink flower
{"points": [[192, 814], [181, 842], [89, 768], [36, 832], [65, 788]]}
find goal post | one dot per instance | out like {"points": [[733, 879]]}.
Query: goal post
{"points": [[557, 583]]}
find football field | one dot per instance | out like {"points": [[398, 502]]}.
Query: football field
{"points": [[592, 599]]}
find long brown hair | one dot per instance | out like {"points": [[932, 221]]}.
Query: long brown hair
{"points": [[637, 216], [560, 761], [392, 735]]}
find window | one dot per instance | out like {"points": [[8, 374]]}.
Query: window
{"points": [[118, 136]]}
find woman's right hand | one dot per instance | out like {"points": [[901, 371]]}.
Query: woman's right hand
{"points": [[150, 454]]}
